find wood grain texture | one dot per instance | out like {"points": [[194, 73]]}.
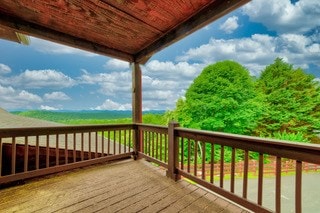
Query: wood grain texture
{"points": [[132, 30], [126, 186]]}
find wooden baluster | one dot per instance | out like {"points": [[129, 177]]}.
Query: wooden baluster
{"points": [[114, 142], [82, 146], [157, 145], [145, 142], [74, 147], [189, 155], [233, 163], [119, 144], [13, 157], [149, 144], [130, 141], [125, 142], [161, 144], [195, 158], [57, 150], [66, 148], [203, 176], [37, 152], [245, 174], [96, 145], [166, 148], [298, 205], [26, 154], [152, 144], [212, 164], [221, 166], [108, 151], [260, 179], [182, 154], [102, 144], [278, 185], [89, 148], [48, 151]]}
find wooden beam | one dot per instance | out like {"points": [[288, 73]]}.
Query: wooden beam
{"points": [[136, 93], [9, 35], [28, 28], [213, 11]]}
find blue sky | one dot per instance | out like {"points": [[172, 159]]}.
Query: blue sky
{"points": [[50, 76]]}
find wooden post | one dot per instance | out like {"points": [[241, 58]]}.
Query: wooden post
{"points": [[136, 93], [136, 106], [173, 152]]}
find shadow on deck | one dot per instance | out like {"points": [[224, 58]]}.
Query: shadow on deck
{"points": [[123, 186]]}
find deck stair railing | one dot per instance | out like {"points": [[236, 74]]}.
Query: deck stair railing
{"points": [[219, 162]]}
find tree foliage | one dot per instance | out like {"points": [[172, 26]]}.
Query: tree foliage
{"points": [[283, 103], [222, 98], [291, 100]]}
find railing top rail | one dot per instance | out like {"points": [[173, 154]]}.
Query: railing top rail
{"points": [[294, 150], [151, 127], [252, 139], [28, 131]]}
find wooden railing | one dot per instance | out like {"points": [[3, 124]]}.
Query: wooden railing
{"points": [[153, 143], [210, 159], [31, 152], [195, 154]]}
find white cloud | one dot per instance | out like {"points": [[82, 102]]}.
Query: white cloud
{"points": [[284, 16], [116, 64], [165, 82], [24, 95], [48, 47], [161, 99], [4, 69], [111, 105], [230, 25], [115, 84], [59, 96], [172, 71], [162, 83], [49, 108], [258, 51], [11, 98], [40, 79]]}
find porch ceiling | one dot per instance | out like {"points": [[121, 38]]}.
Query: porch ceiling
{"points": [[131, 30]]}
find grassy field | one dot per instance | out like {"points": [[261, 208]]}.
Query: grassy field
{"points": [[92, 117]]}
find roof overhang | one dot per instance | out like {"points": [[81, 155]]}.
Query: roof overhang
{"points": [[130, 30]]}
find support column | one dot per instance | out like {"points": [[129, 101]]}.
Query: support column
{"points": [[136, 93], [136, 106]]}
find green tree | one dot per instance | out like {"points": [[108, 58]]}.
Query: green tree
{"points": [[291, 101], [222, 98]]}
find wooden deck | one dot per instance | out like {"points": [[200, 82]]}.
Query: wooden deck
{"points": [[124, 186]]}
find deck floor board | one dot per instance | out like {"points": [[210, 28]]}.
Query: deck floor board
{"points": [[124, 186]]}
